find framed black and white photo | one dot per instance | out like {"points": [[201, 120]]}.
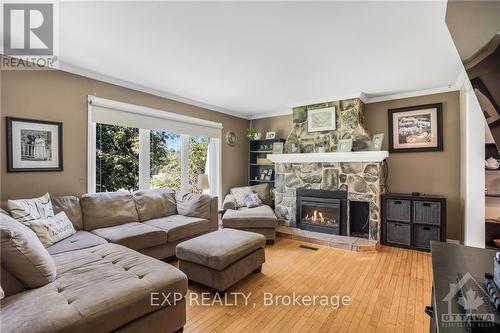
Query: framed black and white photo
{"points": [[270, 135], [34, 145], [344, 145], [321, 119], [377, 141], [416, 128], [277, 147]]}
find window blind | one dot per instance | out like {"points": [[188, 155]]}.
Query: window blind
{"points": [[110, 112]]}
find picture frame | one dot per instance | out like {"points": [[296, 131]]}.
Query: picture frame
{"points": [[344, 145], [278, 147], [34, 145], [231, 138], [263, 175], [377, 141], [319, 120], [270, 135], [270, 172], [416, 128], [268, 178]]}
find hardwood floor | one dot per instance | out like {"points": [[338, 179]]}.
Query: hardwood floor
{"points": [[389, 290]]}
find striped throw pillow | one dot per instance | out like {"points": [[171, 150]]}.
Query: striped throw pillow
{"points": [[26, 210]]}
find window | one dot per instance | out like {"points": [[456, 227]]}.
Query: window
{"points": [[132, 147]]}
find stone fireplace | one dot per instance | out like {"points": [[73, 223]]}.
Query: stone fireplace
{"points": [[359, 175]]}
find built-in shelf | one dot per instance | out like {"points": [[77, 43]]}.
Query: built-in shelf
{"points": [[261, 181], [355, 156], [258, 164], [261, 151]]}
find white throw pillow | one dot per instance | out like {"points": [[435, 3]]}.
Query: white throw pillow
{"points": [[239, 194], [25, 210], [252, 200], [52, 229]]}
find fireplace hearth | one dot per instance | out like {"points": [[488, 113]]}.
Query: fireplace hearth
{"points": [[322, 211]]}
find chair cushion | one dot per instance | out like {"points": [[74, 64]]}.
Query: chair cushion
{"points": [[23, 255], [155, 203], [219, 249], [180, 227], [256, 217], [98, 289], [133, 235], [80, 240], [194, 205], [71, 206], [107, 209]]}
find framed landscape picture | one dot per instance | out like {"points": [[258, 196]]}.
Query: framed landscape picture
{"points": [[321, 119], [34, 145], [416, 128]]}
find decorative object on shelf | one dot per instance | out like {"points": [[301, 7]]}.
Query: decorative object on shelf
{"points": [[277, 147], [270, 135], [203, 182], [263, 160], [344, 145], [416, 128], [252, 134], [321, 149], [492, 163], [488, 104], [377, 141], [231, 138], [263, 175], [321, 119], [34, 145]]}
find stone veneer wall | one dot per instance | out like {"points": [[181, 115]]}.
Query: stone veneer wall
{"points": [[362, 181]]}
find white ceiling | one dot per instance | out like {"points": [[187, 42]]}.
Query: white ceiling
{"points": [[251, 59]]}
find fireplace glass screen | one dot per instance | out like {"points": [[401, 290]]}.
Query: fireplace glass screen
{"points": [[320, 215]]}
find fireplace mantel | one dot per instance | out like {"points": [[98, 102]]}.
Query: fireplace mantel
{"points": [[355, 156]]}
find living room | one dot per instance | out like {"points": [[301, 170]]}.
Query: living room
{"points": [[248, 166]]}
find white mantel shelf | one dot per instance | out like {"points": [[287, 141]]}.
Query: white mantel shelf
{"points": [[355, 156]]}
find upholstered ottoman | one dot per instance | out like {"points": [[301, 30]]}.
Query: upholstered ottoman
{"points": [[260, 219], [221, 258]]}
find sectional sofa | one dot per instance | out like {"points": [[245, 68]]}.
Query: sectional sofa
{"points": [[101, 278]]}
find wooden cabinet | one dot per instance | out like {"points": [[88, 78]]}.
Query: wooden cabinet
{"points": [[413, 221]]}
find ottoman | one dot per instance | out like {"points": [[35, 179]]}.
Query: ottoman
{"points": [[221, 258], [259, 219]]}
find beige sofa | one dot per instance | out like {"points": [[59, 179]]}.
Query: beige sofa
{"points": [[259, 219], [102, 283]]}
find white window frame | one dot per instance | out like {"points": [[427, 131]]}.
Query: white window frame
{"points": [[144, 141]]}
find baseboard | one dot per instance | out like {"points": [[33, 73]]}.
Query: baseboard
{"points": [[453, 241]]}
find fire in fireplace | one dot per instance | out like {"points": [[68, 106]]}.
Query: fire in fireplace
{"points": [[322, 211]]}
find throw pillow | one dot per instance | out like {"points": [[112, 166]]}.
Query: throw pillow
{"points": [[25, 210], [23, 255], [239, 194], [252, 200], [52, 229]]}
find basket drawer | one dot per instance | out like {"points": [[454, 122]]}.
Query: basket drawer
{"points": [[398, 210], [399, 233], [428, 212], [424, 234]]}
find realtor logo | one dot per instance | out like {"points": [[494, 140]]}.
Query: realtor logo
{"points": [[28, 29]]}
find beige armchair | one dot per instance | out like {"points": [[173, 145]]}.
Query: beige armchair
{"points": [[259, 219]]}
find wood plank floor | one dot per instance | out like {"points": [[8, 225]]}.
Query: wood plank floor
{"points": [[389, 290]]}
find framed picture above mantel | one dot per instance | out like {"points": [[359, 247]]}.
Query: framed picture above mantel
{"points": [[34, 145], [416, 128]]}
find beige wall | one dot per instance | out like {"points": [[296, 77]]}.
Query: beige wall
{"points": [[59, 96], [430, 173]]}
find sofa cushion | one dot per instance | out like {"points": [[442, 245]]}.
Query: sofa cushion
{"points": [[9, 283], [192, 204], [107, 209], [25, 210], [151, 204], [256, 217], [133, 235], [180, 227], [219, 249], [80, 240], [71, 206], [98, 289], [23, 255]]}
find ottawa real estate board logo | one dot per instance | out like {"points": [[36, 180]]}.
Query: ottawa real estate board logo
{"points": [[28, 36]]}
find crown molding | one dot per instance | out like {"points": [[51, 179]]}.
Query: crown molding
{"points": [[126, 84], [417, 93]]}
